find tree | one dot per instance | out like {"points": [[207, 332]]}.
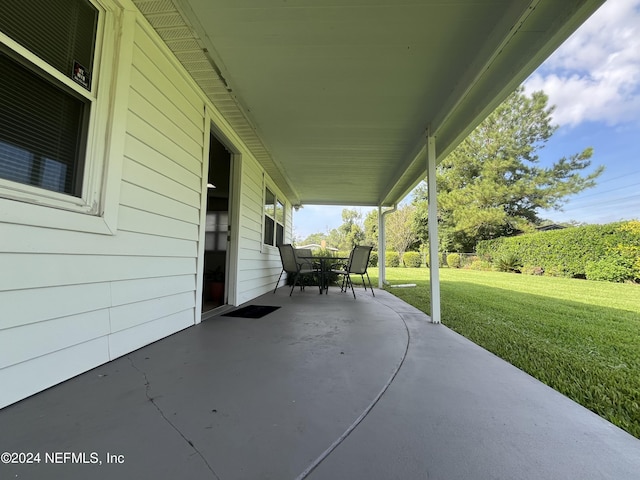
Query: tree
{"points": [[351, 232], [346, 236], [371, 229], [399, 232], [492, 185], [314, 238]]}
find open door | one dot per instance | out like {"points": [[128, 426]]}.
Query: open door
{"points": [[217, 227]]}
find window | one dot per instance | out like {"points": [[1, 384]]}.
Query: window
{"points": [[273, 219], [47, 97], [279, 223]]}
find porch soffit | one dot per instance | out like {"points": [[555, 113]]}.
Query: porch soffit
{"points": [[334, 98]]}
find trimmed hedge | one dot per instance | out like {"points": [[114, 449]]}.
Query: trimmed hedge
{"points": [[412, 259], [392, 259], [373, 259], [567, 252], [453, 260], [609, 269]]}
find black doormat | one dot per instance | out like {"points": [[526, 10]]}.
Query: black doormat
{"points": [[251, 311]]}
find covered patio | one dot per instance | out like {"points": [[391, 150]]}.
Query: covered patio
{"points": [[356, 102], [325, 387]]}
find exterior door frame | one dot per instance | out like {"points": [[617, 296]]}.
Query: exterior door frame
{"points": [[235, 182]]}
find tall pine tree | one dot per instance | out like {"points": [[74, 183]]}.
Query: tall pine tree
{"points": [[492, 184]]}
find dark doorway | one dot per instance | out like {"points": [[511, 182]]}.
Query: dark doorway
{"points": [[216, 243]]}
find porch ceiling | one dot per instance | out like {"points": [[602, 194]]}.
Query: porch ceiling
{"points": [[334, 97]]}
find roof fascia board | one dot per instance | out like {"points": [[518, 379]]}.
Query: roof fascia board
{"points": [[447, 132], [515, 16]]}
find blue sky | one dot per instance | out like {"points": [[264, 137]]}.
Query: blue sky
{"points": [[593, 79]]}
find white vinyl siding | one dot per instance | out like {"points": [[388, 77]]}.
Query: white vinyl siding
{"points": [[28, 377], [71, 299], [258, 265], [160, 195]]}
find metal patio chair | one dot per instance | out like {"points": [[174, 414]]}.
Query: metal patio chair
{"points": [[303, 257], [357, 264], [293, 266]]}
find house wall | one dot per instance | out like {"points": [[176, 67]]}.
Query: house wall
{"points": [[258, 265], [72, 300]]}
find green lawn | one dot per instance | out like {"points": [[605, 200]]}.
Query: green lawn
{"points": [[580, 337]]}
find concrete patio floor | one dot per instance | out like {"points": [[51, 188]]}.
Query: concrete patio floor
{"points": [[326, 387]]}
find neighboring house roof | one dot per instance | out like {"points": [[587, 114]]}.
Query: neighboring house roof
{"points": [[315, 245], [552, 226], [334, 99]]}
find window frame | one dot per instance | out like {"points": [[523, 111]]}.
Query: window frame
{"points": [[95, 210], [277, 201]]}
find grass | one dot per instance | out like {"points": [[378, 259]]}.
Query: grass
{"points": [[580, 337]]}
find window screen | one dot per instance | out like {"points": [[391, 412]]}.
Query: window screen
{"points": [[279, 223], [43, 121], [269, 214], [273, 219], [60, 32], [41, 130]]}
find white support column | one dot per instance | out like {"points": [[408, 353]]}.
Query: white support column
{"points": [[382, 244], [434, 262], [381, 249]]}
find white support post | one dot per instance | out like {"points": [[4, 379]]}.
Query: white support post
{"points": [[382, 243], [381, 249], [434, 262]]}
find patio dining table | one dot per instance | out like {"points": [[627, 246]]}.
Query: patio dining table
{"points": [[325, 263]]}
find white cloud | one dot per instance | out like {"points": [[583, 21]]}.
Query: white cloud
{"points": [[595, 74]]}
